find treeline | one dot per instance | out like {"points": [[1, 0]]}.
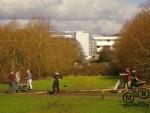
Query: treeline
{"points": [[133, 47], [33, 47]]}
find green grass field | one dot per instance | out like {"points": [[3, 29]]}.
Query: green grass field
{"points": [[64, 104], [44, 103], [78, 82], [73, 83]]}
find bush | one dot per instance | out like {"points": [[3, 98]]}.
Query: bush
{"points": [[91, 69], [111, 68]]}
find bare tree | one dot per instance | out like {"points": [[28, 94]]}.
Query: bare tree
{"points": [[133, 47], [33, 47]]}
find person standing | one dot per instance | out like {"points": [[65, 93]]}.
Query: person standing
{"points": [[135, 81], [128, 73], [126, 79], [12, 82], [29, 79], [55, 84], [17, 81]]}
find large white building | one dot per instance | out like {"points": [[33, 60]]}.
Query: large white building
{"points": [[104, 41], [83, 38], [65, 34], [91, 44]]}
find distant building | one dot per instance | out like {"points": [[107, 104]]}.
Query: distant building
{"points": [[83, 38], [91, 44], [104, 41], [65, 34]]}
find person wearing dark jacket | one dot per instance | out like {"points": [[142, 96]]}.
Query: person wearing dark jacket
{"points": [[135, 81], [12, 82], [55, 85]]}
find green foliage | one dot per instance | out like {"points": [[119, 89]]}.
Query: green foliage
{"points": [[112, 68], [88, 69], [105, 55]]}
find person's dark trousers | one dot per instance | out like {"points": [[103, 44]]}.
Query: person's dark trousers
{"points": [[12, 87], [129, 85], [55, 86]]}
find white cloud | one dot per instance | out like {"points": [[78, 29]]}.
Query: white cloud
{"points": [[100, 16], [101, 26]]}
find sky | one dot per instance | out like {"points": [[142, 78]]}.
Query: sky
{"points": [[94, 16]]}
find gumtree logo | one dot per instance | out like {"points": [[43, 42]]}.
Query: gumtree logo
{"points": [[130, 96]]}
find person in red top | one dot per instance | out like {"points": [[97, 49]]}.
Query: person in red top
{"points": [[12, 82], [128, 74]]}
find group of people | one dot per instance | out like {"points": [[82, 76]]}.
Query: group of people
{"points": [[129, 79], [14, 81]]}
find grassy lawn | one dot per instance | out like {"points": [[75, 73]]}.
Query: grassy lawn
{"points": [[31, 103], [64, 104], [74, 83], [78, 82]]}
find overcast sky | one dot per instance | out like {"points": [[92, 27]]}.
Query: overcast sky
{"points": [[95, 16]]}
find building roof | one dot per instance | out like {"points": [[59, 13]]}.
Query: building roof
{"points": [[105, 37]]}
